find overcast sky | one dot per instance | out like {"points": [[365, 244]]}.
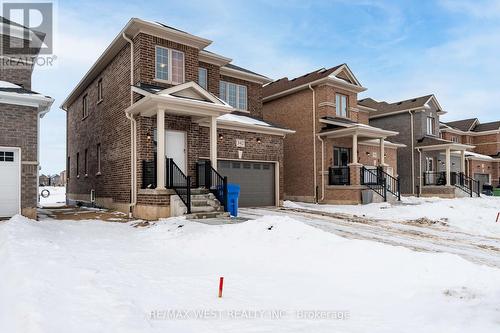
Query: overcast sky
{"points": [[397, 49]]}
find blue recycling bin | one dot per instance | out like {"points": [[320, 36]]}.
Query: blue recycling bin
{"points": [[233, 192]]}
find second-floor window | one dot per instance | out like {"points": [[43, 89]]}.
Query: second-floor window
{"points": [[430, 125], [99, 90], [454, 139], [85, 163], [234, 94], [85, 106], [341, 105], [98, 152], [203, 77], [77, 165], [169, 65]]}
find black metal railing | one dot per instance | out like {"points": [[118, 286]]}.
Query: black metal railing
{"points": [[392, 184], [209, 178], [179, 182], [339, 175], [437, 178], [465, 183], [374, 180]]}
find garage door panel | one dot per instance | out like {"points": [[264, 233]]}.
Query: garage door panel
{"points": [[9, 182], [256, 181]]}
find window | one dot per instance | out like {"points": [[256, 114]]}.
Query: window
{"points": [[454, 139], [234, 94], [6, 156], [85, 163], [341, 105], [430, 125], [202, 77], [99, 91], [429, 164], [85, 107], [68, 168], [77, 165], [98, 153], [169, 65], [341, 156]]}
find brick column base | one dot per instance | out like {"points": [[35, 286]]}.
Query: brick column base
{"points": [[355, 173]]}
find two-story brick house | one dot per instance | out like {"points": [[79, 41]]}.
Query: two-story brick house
{"points": [[153, 108], [20, 113], [483, 161], [334, 154], [428, 165]]}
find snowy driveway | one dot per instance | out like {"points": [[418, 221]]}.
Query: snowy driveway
{"points": [[429, 238]]}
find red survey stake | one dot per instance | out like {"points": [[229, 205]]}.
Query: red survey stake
{"points": [[221, 284]]}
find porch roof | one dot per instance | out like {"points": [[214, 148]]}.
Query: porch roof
{"points": [[350, 129], [188, 99], [431, 143]]}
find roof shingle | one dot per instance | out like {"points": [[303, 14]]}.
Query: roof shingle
{"points": [[385, 108]]}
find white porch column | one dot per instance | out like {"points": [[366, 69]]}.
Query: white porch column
{"points": [[160, 158], [448, 167], [462, 156], [382, 152], [213, 142], [355, 148]]}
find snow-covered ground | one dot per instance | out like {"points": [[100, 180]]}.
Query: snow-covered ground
{"points": [[472, 215], [94, 276], [56, 198]]}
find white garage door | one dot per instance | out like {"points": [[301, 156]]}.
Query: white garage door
{"points": [[9, 181]]}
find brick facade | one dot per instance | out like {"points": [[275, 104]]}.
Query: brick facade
{"points": [[108, 126]]}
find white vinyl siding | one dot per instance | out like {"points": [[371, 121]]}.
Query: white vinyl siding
{"points": [[203, 77], [341, 105], [169, 65], [234, 94]]}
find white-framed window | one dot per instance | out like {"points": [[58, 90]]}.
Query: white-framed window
{"points": [[169, 65], [429, 164], [234, 94], [454, 139], [85, 107], [203, 77], [341, 105], [99, 91], [431, 125]]}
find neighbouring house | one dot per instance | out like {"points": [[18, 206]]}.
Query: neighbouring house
{"points": [[20, 113], [428, 165], [483, 161], [334, 154], [44, 180], [158, 122], [62, 177]]}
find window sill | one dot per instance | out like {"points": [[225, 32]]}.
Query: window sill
{"points": [[86, 175], [77, 176], [99, 101], [241, 110], [85, 117], [98, 174], [166, 81]]}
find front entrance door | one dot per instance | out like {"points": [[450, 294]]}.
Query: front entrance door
{"points": [[176, 148]]}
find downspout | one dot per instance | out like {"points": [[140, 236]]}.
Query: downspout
{"points": [[315, 182], [322, 168], [412, 155], [133, 132], [419, 172]]}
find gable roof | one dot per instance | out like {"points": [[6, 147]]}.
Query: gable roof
{"points": [[340, 72], [462, 125], [491, 126], [383, 108]]}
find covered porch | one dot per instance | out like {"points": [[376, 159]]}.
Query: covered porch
{"points": [[171, 152], [354, 157], [442, 166]]}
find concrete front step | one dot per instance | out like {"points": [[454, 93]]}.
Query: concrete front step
{"points": [[206, 215]]}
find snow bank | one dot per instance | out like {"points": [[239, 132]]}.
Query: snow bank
{"points": [[91, 276], [472, 215], [56, 198]]}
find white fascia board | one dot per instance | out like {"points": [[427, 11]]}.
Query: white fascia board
{"points": [[244, 75], [31, 100], [213, 58], [250, 128]]}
